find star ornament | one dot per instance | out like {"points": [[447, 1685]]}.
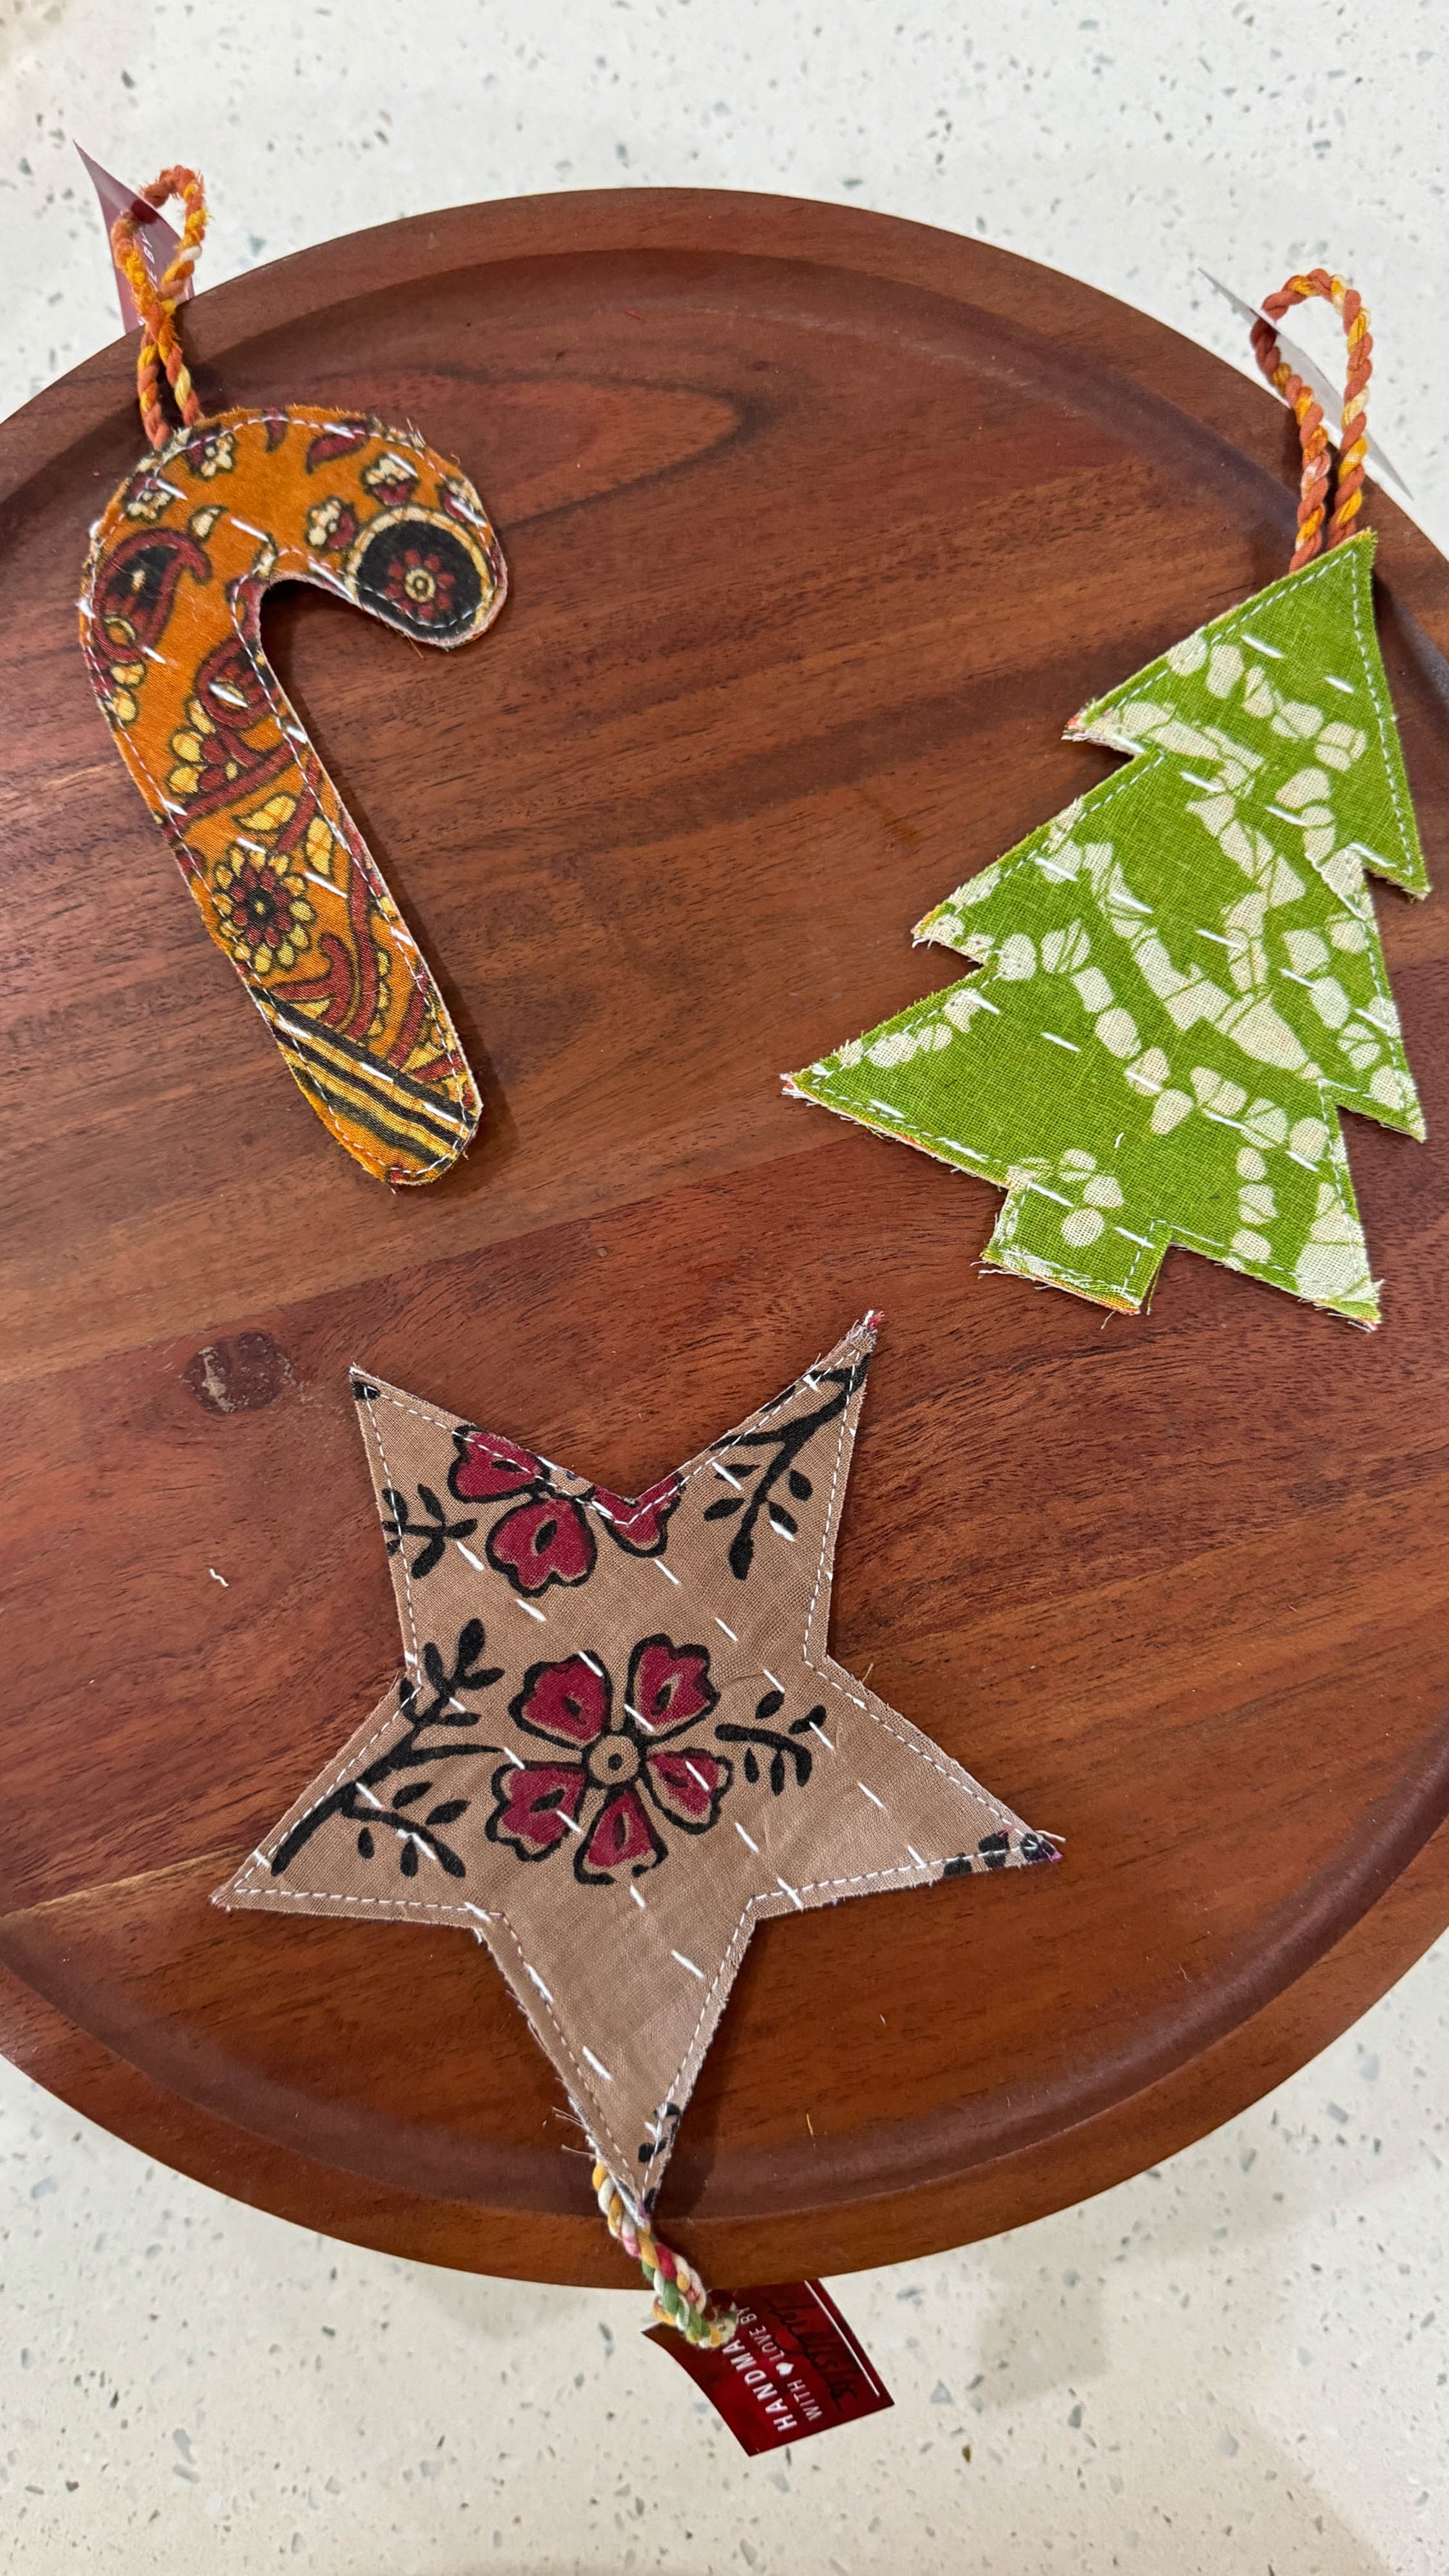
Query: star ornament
{"points": [[619, 1740]]}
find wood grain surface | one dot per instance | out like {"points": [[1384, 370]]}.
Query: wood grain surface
{"points": [[820, 526]]}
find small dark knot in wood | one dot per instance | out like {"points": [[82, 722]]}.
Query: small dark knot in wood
{"points": [[239, 1375]]}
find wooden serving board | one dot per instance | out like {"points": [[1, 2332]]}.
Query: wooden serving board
{"points": [[820, 526]]}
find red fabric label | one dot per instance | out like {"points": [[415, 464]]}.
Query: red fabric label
{"points": [[792, 2367]]}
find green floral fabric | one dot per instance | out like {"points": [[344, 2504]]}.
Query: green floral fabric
{"points": [[1182, 979]]}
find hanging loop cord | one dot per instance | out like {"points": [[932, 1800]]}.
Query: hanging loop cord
{"points": [[680, 2297], [1313, 436], [160, 342]]}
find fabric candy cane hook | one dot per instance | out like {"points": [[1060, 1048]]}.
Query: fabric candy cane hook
{"points": [[170, 613], [1348, 304]]}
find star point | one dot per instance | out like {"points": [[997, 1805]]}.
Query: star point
{"points": [[619, 1739]]}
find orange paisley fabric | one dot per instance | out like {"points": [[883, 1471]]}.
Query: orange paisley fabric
{"points": [[170, 626]]}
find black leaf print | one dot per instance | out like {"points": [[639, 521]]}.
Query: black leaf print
{"points": [[778, 1746], [724, 1508], [665, 2128], [764, 1459], [434, 1531], [483, 1680], [1034, 1848], [470, 1646], [357, 1799]]}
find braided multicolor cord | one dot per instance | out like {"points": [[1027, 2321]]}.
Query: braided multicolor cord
{"points": [[680, 2297], [1348, 489], [160, 344]]}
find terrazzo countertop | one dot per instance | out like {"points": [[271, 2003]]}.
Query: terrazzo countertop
{"points": [[1232, 2366]]}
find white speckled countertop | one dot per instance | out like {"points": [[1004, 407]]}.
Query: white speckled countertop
{"points": [[1233, 2366]]}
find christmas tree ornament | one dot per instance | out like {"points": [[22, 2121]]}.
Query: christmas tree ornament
{"points": [[170, 607], [1183, 979], [619, 1741]]}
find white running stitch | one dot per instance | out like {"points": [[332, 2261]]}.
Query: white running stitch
{"points": [[826, 1671], [1389, 746], [422, 1411], [299, 567], [1345, 1094], [913, 1742]]}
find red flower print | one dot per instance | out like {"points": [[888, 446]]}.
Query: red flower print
{"points": [[211, 452], [261, 910], [332, 526], [391, 478], [621, 1844], [569, 1701], [687, 1787], [604, 1797], [669, 1685], [420, 584], [639, 1526], [487, 1467], [547, 1539], [536, 1806], [543, 1542], [342, 439]]}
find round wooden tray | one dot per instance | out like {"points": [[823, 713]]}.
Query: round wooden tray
{"points": [[820, 526]]}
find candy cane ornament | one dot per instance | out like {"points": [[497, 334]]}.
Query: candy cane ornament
{"points": [[170, 612]]}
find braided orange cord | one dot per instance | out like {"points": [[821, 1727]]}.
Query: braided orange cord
{"points": [[157, 304], [1348, 490]]}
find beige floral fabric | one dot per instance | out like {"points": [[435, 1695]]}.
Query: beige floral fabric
{"points": [[620, 1739]]}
